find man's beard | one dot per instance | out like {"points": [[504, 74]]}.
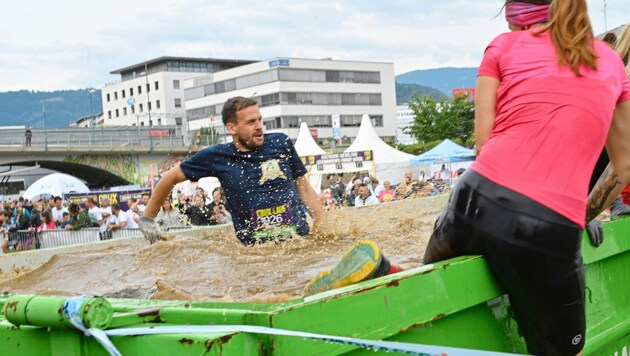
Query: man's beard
{"points": [[247, 144]]}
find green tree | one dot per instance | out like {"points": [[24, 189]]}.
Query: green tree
{"points": [[451, 118]]}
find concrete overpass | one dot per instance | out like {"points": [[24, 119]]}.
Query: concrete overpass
{"points": [[100, 156]]}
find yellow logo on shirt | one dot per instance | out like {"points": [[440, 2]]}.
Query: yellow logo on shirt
{"points": [[271, 170]]}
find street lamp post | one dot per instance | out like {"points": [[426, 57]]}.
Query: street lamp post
{"points": [[45, 131], [92, 91], [44, 102], [146, 77]]}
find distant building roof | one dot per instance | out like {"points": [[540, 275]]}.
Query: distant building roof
{"points": [[616, 31], [140, 66]]}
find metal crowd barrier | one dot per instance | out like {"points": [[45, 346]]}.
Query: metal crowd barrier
{"points": [[22, 240]]}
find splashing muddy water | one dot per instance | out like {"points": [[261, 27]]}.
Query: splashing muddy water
{"points": [[218, 268]]}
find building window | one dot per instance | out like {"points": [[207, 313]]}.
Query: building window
{"points": [[178, 121], [109, 114], [148, 87], [149, 105], [133, 109], [269, 100], [130, 91], [157, 104], [351, 120], [316, 120], [108, 98], [139, 89], [115, 95], [328, 99], [123, 93], [157, 86], [124, 111], [377, 120], [159, 122], [117, 113], [140, 108], [178, 103], [291, 122], [175, 84]]}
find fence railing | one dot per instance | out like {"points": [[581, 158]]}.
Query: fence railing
{"points": [[128, 137], [23, 240]]}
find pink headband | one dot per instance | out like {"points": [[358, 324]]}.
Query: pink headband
{"points": [[525, 14]]}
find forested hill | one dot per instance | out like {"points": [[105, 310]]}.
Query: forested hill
{"points": [[405, 91], [442, 79], [25, 107]]}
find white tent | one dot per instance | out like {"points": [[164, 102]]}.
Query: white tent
{"points": [[305, 145], [55, 184], [390, 164]]}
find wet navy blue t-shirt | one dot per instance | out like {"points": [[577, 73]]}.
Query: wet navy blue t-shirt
{"points": [[258, 186]]}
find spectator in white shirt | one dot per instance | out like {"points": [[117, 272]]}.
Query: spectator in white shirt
{"points": [[94, 210], [364, 197], [132, 217], [57, 211], [144, 200], [118, 220]]}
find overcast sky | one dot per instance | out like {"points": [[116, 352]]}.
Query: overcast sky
{"points": [[70, 44]]}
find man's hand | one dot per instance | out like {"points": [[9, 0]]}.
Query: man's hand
{"points": [[150, 229], [595, 232]]}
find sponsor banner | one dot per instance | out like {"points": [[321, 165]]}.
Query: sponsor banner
{"points": [[468, 92], [339, 162], [347, 157], [114, 197], [160, 133]]}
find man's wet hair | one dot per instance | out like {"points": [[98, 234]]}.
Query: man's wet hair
{"points": [[234, 105]]}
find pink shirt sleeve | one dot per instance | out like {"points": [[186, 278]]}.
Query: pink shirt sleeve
{"points": [[625, 91], [490, 63]]}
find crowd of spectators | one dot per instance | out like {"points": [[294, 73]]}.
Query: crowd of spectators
{"points": [[198, 210], [361, 191], [21, 217]]}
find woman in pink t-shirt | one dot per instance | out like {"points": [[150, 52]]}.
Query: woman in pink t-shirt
{"points": [[549, 96]]}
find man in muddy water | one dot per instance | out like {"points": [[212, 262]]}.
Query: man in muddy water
{"points": [[262, 176]]}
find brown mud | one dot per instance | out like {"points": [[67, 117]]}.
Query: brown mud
{"points": [[218, 268]]}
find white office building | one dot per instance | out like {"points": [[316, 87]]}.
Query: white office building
{"points": [[291, 90], [404, 117], [155, 88]]}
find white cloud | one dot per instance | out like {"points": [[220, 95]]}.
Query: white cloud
{"points": [[70, 43]]}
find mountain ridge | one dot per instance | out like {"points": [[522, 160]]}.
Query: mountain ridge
{"points": [[26, 107]]}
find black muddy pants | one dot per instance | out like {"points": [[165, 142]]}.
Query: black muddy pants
{"points": [[532, 251]]}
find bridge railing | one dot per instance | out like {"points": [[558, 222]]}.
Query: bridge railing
{"points": [[127, 137]]}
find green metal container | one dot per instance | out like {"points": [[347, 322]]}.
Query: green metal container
{"points": [[454, 303], [95, 312]]}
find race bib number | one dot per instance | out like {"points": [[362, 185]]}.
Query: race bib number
{"points": [[273, 222]]}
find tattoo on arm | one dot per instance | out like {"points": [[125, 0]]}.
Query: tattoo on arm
{"points": [[601, 194]]}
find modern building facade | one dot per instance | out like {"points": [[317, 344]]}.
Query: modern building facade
{"points": [[404, 117], [155, 88], [291, 90]]}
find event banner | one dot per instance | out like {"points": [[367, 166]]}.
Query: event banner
{"points": [[114, 197], [339, 162]]}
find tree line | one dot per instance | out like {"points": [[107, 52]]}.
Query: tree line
{"points": [[436, 120]]}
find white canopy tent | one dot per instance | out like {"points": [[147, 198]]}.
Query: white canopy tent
{"points": [[55, 184], [389, 163], [305, 145]]}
